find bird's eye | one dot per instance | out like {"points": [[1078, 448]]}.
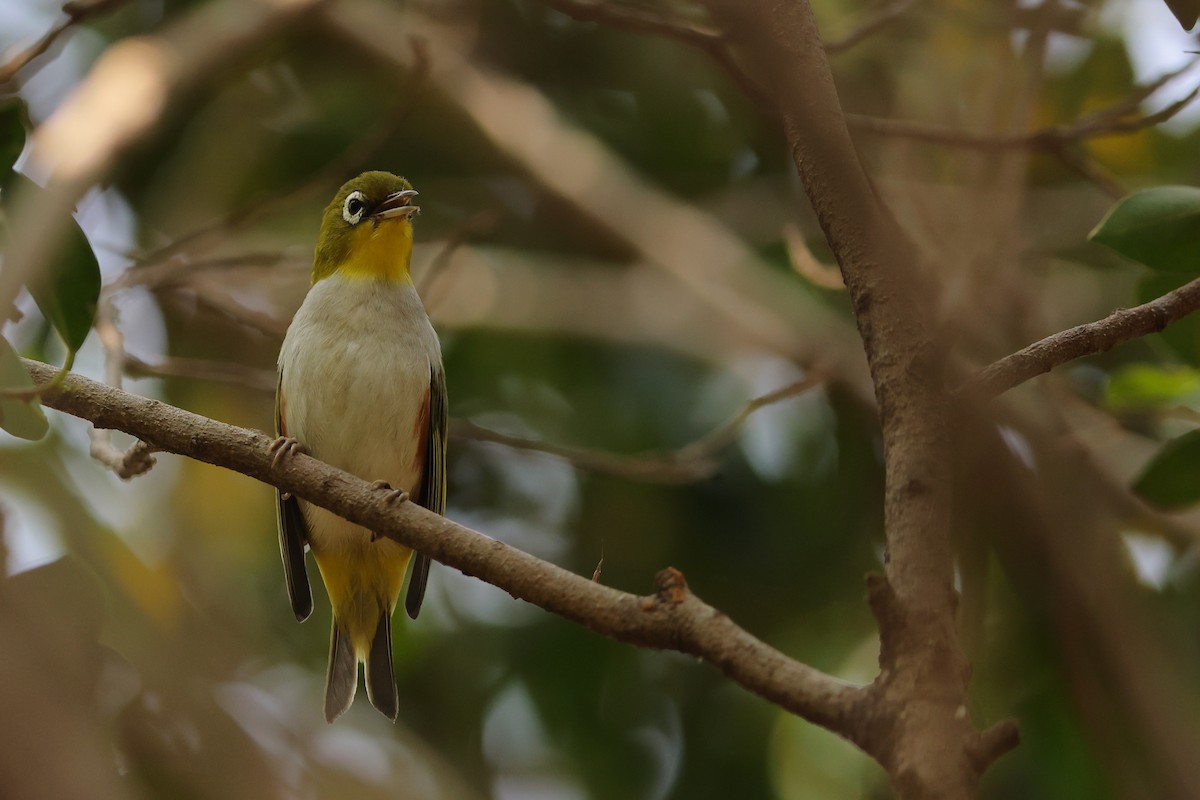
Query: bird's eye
{"points": [[355, 205]]}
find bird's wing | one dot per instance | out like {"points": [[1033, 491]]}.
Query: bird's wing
{"points": [[293, 534], [433, 482]]}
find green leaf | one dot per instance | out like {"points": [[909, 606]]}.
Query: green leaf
{"points": [[69, 290], [1172, 479], [12, 135], [21, 418], [1159, 227], [1140, 387]]}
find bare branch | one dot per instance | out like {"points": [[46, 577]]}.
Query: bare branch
{"points": [[139, 458], [1083, 340], [636, 20], [258, 380], [670, 619], [1089, 168], [1112, 121], [879, 20], [688, 464], [76, 13]]}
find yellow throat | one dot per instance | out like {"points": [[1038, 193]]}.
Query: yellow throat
{"points": [[380, 251]]}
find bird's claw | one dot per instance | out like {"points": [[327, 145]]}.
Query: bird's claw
{"points": [[394, 496], [283, 448]]}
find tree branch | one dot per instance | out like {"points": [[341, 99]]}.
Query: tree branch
{"points": [[875, 23], [922, 734], [1106, 122], [1083, 340], [687, 464], [670, 619], [76, 13]]}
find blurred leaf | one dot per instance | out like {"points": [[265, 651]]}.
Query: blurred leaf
{"points": [[1186, 11], [12, 135], [1159, 227], [69, 290], [1147, 386], [1172, 479], [21, 418]]}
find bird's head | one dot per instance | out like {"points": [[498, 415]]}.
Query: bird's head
{"points": [[366, 231]]}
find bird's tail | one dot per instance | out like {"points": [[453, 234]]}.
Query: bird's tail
{"points": [[341, 680]]}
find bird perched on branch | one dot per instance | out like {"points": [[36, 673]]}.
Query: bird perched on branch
{"points": [[361, 387]]}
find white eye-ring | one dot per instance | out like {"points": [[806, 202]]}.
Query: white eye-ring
{"points": [[354, 207]]}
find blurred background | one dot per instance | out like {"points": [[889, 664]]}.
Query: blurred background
{"points": [[619, 257]]}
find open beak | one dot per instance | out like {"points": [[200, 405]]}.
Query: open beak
{"points": [[397, 206]]}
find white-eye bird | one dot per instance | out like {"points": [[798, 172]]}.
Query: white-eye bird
{"points": [[361, 387]]}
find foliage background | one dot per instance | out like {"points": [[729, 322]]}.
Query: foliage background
{"points": [[156, 607]]}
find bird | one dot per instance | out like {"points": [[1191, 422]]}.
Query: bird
{"points": [[361, 387]]}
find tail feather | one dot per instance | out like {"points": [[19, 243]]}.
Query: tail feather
{"points": [[341, 680], [381, 680]]}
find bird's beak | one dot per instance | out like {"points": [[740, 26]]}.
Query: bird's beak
{"points": [[397, 206]]}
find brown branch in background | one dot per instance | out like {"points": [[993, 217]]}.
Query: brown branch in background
{"points": [[170, 274], [1110, 121], [708, 41], [253, 378], [1083, 340], [139, 458], [636, 20], [670, 619], [76, 13], [877, 22], [480, 222], [688, 464], [1076, 159]]}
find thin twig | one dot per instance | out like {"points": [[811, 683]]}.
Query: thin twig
{"points": [[1107, 122], [1083, 340], [473, 225], [688, 464], [636, 20], [672, 618], [258, 380], [1089, 168], [139, 458], [76, 13], [875, 23]]}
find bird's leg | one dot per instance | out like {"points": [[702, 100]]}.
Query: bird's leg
{"points": [[283, 448]]}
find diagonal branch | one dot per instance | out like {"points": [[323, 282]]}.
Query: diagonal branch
{"points": [[876, 22], [670, 619], [1108, 122], [1083, 340], [688, 464], [76, 13]]}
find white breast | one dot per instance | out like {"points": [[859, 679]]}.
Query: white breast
{"points": [[355, 363]]}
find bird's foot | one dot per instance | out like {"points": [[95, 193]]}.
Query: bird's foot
{"points": [[394, 496], [284, 448]]}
